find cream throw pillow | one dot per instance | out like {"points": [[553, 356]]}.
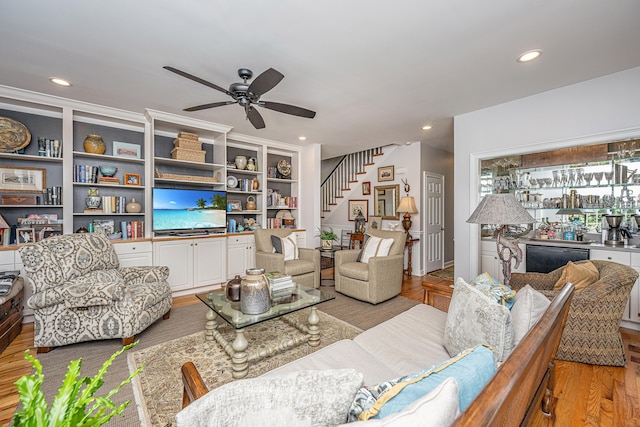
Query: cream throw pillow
{"points": [[528, 308], [581, 275], [375, 246]]}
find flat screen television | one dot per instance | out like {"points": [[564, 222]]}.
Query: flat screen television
{"points": [[182, 210]]}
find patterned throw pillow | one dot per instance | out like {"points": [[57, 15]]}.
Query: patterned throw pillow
{"points": [[472, 369], [494, 289], [285, 245]]}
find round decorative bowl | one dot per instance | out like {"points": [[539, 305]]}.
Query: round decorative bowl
{"points": [[108, 170]]}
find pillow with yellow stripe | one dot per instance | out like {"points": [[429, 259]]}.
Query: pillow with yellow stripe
{"points": [[472, 369], [375, 246]]}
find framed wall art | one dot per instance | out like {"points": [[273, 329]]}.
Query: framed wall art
{"points": [[385, 173], [125, 149], [366, 188], [375, 222], [22, 179], [356, 206]]}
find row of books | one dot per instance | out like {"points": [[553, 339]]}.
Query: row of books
{"points": [[52, 196], [49, 147], [280, 223], [85, 174]]}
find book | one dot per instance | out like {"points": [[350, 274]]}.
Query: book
{"points": [[276, 277]]}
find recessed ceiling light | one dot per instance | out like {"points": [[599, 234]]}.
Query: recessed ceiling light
{"points": [[302, 138], [530, 55], [59, 81], [426, 127]]}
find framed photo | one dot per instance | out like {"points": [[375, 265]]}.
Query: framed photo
{"points": [[356, 206], [23, 180], [366, 188], [131, 179], [125, 149], [385, 173], [47, 230], [375, 222], [236, 205], [25, 235]]}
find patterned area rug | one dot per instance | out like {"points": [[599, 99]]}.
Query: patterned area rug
{"points": [[158, 388], [445, 273]]}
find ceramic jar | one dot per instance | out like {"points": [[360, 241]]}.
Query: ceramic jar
{"points": [[255, 297], [92, 201], [94, 144], [251, 203], [233, 288], [241, 162], [133, 207]]}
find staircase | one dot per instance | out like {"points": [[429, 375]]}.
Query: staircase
{"points": [[345, 174]]}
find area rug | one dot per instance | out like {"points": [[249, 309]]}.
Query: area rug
{"points": [[158, 388], [445, 273]]}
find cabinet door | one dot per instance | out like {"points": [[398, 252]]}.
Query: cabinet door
{"points": [[210, 261], [490, 264], [236, 256], [250, 252], [178, 256], [615, 256]]}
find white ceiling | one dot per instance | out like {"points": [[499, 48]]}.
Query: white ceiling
{"points": [[374, 71]]}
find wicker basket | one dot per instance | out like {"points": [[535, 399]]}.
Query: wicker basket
{"points": [[189, 144], [188, 135], [185, 177], [190, 155]]}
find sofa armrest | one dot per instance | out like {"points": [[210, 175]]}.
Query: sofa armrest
{"points": [[144, 274], [270, 261], [346, 255]]}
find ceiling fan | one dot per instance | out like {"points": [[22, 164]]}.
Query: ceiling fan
{"points": [[248, 95]]}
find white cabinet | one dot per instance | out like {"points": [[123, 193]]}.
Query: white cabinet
{"points": [[192, 263], [134, 254], [615, 256], [490, 261], [241, 254]]}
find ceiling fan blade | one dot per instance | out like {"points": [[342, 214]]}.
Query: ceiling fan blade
{"points": [[265, 82], [255, 118], [288, 109], [212, 105], [196, 79]]}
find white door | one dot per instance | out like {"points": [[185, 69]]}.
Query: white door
{"points": [[433, 221]]}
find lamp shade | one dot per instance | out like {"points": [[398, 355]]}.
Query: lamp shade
{"points": [[408, 205], [500, 209]]}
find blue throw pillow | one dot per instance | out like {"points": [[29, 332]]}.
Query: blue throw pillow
{"points": [[472, 369], [492, 288]]}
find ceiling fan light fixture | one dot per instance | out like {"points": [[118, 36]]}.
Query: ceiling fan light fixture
{"points": [[60, 82], [529, 55]]}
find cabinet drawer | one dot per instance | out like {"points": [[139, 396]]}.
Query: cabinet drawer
{"points": [[6, 257], [132, 248], [238, 240], [615, 256]]}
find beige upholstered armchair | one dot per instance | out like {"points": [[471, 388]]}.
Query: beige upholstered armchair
{"points": [[592, 332], [81, 294], [304, 270], [375, 281]]}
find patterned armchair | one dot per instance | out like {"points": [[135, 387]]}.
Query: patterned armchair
{"points": [[81, 294], [304, 270], [592, 332], [377, 281]]}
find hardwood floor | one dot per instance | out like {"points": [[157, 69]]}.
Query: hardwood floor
{"points": [[588, 395]]}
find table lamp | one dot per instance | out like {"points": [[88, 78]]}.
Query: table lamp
{"points": [[408, 206], [503, 210]]}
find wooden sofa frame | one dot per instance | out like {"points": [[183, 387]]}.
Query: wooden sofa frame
{"points": [[519, 392]]}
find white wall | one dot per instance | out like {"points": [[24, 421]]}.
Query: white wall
{"points": [[309, 203], [598, 110]]}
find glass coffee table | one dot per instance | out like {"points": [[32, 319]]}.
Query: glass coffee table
{"points": [[302, 297]]}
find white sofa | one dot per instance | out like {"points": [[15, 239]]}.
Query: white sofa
{"points": [[409, 342]]}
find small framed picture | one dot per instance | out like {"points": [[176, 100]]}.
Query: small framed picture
{"points": [[25, 235], [385, 173], [236, 205], [47, 230], [131, 179], [366, 188], [375, 222], [358, 206], [125, 149]]}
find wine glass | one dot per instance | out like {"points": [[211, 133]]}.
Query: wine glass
{"points": [[572, 178], [598, 176], [588, 176], [608, 176], [579, 177], [564, 176], [556, 178]]}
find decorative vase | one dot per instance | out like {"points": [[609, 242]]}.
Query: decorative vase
{"points": [[241, 162], [133, 207], [92, 201], [233, 288], [327, 244], [255, 297], [94, 144], [255, 184]]}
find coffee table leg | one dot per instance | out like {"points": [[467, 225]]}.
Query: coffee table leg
{"points": [[210, 325], [314, 330], [240, 359]]}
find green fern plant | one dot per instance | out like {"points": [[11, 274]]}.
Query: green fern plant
{"points": [[74, 405]]}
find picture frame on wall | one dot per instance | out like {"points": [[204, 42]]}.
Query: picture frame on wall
{"points": [[375, 222], [131, 179], [358, 205], [126, 149], [386, 173], [22, 179], [366, 188]]}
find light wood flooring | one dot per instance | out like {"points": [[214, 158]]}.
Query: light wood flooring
{"points": [[588, 395]]}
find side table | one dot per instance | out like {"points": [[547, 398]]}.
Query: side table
{"points": [[331, 254], [437, 292], [409, 245]]}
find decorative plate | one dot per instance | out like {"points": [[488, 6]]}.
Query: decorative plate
{"points": [[232, 181], [284, 168], [13, 135]]}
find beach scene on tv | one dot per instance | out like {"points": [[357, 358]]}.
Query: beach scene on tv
{"points": [[175, 209]]}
